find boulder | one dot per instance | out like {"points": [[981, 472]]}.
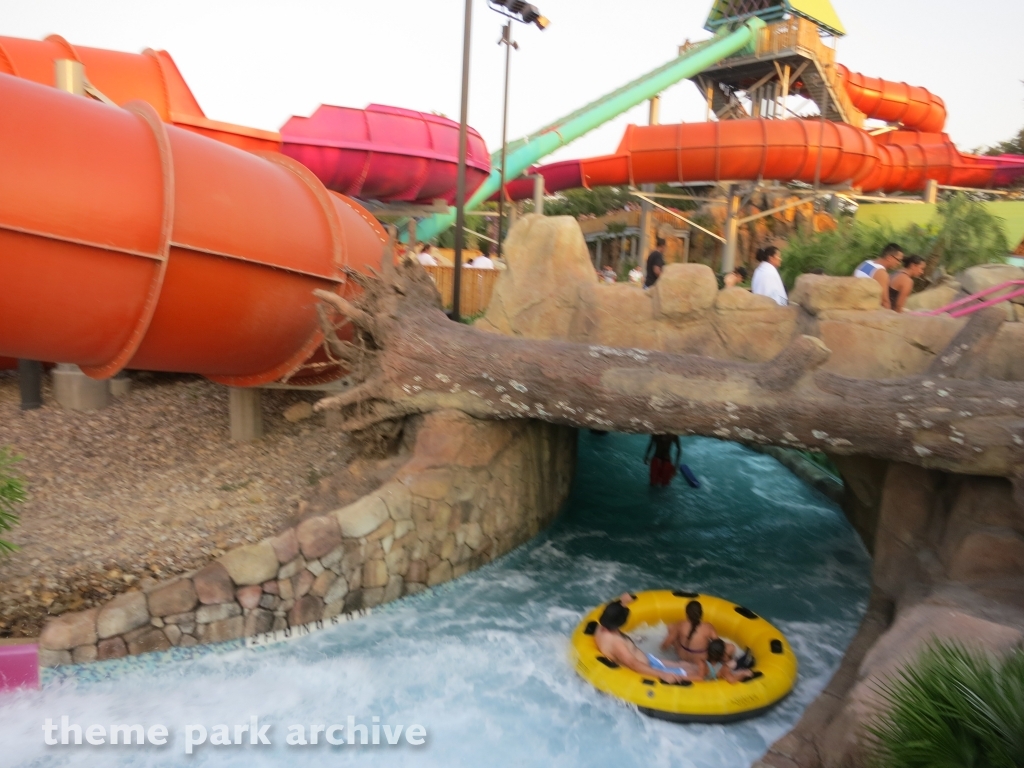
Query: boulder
{"points": [[221, 631], [820, 293], [178, 597], [741, 300], [934, 298], [147, 640], [883, 344], [362, 517], [375, 574], [984, 276], [113, 648], [1004, 360], [258, 622], [548, 262], [684, 289], [249, 597], [305, 610], [252, 564], [617, 315], [69, 631], [842, 743], [208, 614], [213, 585], [298, 412], [317, 536], [988, 554], [286, 546], [122, 614]]}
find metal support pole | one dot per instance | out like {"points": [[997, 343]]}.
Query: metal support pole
{"points": [[30, 384], [538, 194], [506, 40], [653, 115], [460, 183], [931, 191], [732, 231]]}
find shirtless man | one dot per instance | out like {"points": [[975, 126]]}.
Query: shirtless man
{"points": [[663, 466], [617, 647]]}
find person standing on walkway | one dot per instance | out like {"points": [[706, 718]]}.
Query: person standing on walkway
{"points": [[655, 263], [879, 269], [767, 281]]}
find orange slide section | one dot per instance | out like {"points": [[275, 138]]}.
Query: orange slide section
{"points": [[125, 241], [151, 76], [911, 106], [796, 150]]}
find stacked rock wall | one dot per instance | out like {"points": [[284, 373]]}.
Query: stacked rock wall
{"points": [[471, 491]]}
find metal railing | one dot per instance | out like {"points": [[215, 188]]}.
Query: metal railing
{"points": [[979, 301]]}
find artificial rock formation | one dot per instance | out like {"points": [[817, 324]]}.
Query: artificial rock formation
{"points": [[925, 417]]}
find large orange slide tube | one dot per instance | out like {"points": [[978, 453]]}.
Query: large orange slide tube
{"points": [[128, 242], [791, 150], [911, 106], [151, 76]]}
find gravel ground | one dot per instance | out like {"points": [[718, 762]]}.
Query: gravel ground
{"points": [[150, 487]]}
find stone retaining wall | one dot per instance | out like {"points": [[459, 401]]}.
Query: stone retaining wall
{"points": [[472, 491]]}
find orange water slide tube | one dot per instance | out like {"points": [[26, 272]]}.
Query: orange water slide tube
{"points": [[151, 76], [911, 106], [784, 150], [128, 242]]}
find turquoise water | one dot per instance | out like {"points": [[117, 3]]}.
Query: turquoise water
{"points": [[482, 663]]}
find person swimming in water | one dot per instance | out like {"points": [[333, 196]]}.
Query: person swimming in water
{"points": [[619, 648]]}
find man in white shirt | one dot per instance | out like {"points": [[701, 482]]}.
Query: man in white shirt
{"points": [[483, 261], [767, 281], [424, 257]]}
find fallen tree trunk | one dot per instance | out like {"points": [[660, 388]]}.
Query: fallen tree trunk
{"points": [[408, 357]]}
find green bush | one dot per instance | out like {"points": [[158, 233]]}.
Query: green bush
{"points": [[963, 234], [952, 709], [12, 493]]}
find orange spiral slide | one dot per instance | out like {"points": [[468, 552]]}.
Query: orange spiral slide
{"points": [[151, 76], [795, 150], [911, 106], [128, 242]]}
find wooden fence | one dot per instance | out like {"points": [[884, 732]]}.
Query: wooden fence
{"points": [[477, 285]]}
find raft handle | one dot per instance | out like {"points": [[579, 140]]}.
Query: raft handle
{"points": [[756, 675], [746, 613], [592, 628], [777, 647], [608, 662], [688, 595]]}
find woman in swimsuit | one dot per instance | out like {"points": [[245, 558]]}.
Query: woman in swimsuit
{"points": [[691, 638]]}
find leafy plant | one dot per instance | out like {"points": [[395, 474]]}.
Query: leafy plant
{"points": [[952, 709], [12, 493], [963, 234]]}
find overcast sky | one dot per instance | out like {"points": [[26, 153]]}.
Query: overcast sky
{"points": [[258, 62]]}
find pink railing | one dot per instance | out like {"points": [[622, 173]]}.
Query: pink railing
{"points": [[978, 301]]}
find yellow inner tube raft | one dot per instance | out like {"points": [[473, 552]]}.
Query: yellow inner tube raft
{"points": [[715, 701]]}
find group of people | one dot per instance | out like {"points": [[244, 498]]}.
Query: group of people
{"points": [[421, 253], [701, 653], [767, 281]]}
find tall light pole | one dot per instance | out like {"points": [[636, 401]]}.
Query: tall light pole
{"points": [[460, 182], [509, 43]]}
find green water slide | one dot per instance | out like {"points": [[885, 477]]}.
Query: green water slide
{"points": [[523, 153]]}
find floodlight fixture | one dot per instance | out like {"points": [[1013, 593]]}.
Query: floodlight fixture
{"points": [[527, 13]]}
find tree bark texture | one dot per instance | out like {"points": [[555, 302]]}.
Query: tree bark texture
{"points": [[408, 357]]}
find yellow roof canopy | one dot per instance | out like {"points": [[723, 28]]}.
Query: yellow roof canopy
{"points": [[820, 12]]}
